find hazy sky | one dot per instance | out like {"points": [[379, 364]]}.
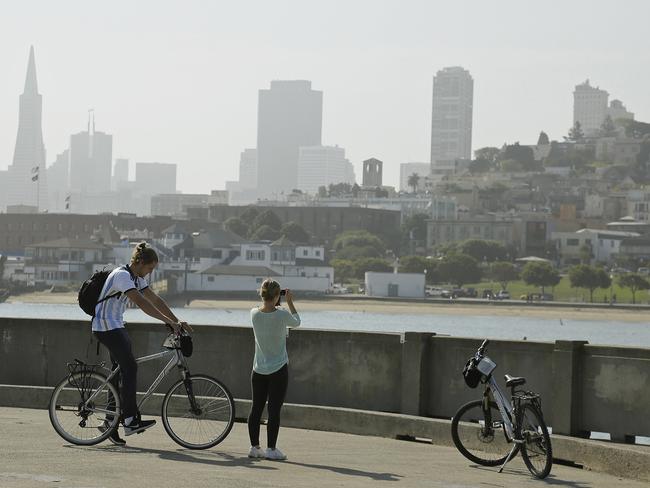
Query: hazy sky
{"points": [[177, 81]]}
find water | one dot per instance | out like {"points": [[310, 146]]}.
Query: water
{"points": [[495, 327]]}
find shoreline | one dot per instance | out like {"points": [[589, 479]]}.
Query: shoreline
{"points": [[392, 307]]}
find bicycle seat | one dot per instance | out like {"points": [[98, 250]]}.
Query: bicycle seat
{"points": [[514, 381]]}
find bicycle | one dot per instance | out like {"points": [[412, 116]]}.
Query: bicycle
{"points": [[492, 430], [198, 410]]}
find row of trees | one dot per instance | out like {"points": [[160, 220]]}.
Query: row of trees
{"points": [[265, 225]]}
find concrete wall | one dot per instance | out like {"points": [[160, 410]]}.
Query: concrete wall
{"points": [[584, 388]]}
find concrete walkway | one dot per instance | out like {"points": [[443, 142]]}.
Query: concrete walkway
{"points": [[33, 455]]}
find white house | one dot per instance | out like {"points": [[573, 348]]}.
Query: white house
{"points": [[604, 244]]}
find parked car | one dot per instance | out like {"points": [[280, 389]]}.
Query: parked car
{"points": [[502, 295], [488, 294], [643, 271], [338, 289], [433, 291]]}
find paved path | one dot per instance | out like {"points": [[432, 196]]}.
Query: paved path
{"points": [[33, 455]]}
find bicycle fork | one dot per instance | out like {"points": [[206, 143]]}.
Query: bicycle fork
{"points": [[187, 382]]}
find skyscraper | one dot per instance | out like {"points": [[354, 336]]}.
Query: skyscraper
{"points": [[321, 166], [248, 169], [120, 173], [91, 155], [372, 172], [289, 116], [451, 124], [26, 177], [589, 107]]}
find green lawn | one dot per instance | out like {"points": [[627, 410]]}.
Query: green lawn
{"points": [[563, 291]]}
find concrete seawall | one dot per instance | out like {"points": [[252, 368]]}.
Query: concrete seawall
{"points": [[584, 388]]}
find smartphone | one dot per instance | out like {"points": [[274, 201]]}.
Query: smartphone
{"points": [[283, 293]]}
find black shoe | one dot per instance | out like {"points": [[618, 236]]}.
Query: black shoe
{"points": [[114, 437], [137, 426]]}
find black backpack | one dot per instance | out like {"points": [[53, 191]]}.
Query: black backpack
{"points": [[90, 290]]}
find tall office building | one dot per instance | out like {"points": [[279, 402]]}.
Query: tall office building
{"points": [[120, 174], [451, 121], [248, 169], [91, 156], [289, 117], [321, 166], [26, 177], [372, 172], [589, 107], [58, 178]]}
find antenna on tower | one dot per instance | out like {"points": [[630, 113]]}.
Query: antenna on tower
{"points": [[91, 114]]}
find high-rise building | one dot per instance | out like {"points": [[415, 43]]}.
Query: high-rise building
{"points": [[58, 178], [451, 121], [406, 170], [589, 107], [321, 166], [91, 156], [26, 178], [372, 172], [289, 117], [617, 111], [120, 173], [248, 169]]}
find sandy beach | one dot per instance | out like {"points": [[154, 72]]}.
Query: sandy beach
{"points": [[395, 307]]}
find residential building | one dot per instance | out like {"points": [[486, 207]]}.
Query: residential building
{"points": [[617, 111], [603, 245], [451, 124], [321, 166], [289, 117]]}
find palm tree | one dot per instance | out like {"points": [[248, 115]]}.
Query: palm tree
{"points": [[413, 181]]}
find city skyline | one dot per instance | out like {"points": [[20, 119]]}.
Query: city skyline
{"points": [[377, 102]]}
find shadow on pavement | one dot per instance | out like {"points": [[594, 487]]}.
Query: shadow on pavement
{"points": [[350, 471], [523, 473], [208, 457]]}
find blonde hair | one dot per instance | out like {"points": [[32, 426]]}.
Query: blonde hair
{"points": [[269, 290], [144, 254]]}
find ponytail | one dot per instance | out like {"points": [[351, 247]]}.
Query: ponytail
{"points": [[144, 254]]}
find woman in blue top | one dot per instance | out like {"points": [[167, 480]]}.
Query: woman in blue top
{"points": [[270, 375]]}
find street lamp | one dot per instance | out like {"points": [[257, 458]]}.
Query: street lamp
{"points": [[611, 289]]}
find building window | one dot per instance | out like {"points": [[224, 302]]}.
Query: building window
{"points": [[317, 252], [305, 252], [210, 279], [572, 242], [255, 255]]}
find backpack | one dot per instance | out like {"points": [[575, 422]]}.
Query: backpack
{"points": [[90, 290]]}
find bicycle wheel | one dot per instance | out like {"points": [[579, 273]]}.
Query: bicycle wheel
{"points": [[204, 424], [536, 448], [480, 435], [90, 424]]}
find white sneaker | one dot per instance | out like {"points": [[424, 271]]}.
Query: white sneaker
{"points": [[275, 454], [256, 453]]}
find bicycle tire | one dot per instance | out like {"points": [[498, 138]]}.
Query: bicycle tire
{"points": [[67, 398], [221, 413], [536, 448], [470, 415]]}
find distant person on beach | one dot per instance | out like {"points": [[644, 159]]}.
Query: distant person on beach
{"points": [[270, 375]]}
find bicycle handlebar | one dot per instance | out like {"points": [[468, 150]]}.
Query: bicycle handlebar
{"points": [[481, 349]]}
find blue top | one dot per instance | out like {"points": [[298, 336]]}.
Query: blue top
{"points": [[109, 314], [271, 338]]}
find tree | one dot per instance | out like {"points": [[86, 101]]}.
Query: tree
{"points": [[543, 139], [414, 229], [540, 274], [236, 226], [413, 181], [635, 128], [295, 233], [359, 238], [511, 166], [589, 277], [419, 264], [339, 189], [267, 217], [322, 191], [634, 282], [483, 250], [459, 269], [343, 269], [480, 166], [586, 255], [490, 154], [575, 133], [608, 128], [265, 233], [249, 215], [370, 264], [503, 272], [524, 155]]}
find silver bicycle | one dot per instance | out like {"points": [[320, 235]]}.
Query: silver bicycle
{"points": [[492, 430], [198, 411]]}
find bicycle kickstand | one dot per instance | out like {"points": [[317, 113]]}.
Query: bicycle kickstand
{"points": [[510, 456]]}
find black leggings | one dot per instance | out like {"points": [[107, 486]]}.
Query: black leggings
{"points": [[272, 386], [117, 341]]}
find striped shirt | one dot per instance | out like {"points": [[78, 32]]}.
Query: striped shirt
{"points": [[109, 314]]}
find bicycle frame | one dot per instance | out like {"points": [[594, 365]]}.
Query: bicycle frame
{"points": [[176, 358], [503, 404]]}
